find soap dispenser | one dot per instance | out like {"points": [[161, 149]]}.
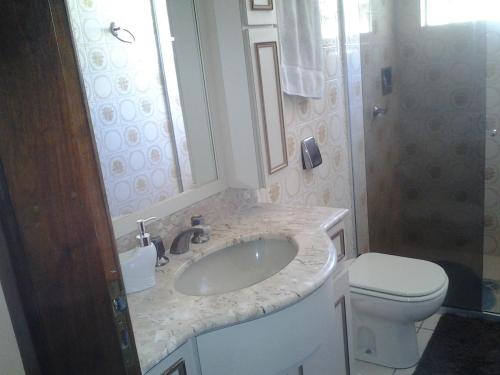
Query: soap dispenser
{"points": [[138, 265]]}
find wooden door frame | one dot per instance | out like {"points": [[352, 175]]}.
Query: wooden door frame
{"points": [[58, 251]]}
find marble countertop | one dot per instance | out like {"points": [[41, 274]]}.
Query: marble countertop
{"points": [[163, 319]]}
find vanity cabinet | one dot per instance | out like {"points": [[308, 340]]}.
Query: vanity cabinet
{"points": [[310, 337], [299, 339], [184, 361]]}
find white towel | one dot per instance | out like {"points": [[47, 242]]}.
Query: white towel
{"points": [[299, 25]]}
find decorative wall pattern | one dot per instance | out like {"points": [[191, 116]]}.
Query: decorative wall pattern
{"points": [[330, 184], [127, 105]]}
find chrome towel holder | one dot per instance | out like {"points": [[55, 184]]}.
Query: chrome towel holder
{"points": [[114, 28]]}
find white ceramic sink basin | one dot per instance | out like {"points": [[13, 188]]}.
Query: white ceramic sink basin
{"points": [[236, 267]]}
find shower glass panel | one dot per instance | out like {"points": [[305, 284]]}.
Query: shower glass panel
{"points": [[433, 159]]}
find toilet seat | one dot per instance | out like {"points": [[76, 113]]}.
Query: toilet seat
{"points": [[392, 297], [397, 278]]}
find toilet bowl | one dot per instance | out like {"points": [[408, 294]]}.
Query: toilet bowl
{"points": [[388, 295]]}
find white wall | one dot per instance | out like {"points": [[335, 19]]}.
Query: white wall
{"points": [[10, 359]]}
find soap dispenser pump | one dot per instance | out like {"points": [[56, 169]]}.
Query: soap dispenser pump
{"points": [[138, 265], [144, 237]]}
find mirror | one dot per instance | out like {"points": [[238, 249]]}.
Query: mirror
{"points": [[141, 65]]}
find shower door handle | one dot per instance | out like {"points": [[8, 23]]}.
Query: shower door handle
{"points": [[493, 132], [379, 111]]}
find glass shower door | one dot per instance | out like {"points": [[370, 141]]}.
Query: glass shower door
{"points": [[491, 263], [442, 150], [433, 160]]}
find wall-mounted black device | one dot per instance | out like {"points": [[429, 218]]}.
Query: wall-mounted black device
{"points": [[311, 156]]}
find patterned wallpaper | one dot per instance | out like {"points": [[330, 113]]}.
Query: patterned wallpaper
{"points": [[127, 105], [330, 184]]}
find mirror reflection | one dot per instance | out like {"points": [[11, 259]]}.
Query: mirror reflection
{"points": [[142, 70]]}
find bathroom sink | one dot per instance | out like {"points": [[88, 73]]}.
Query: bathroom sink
{"points": [[236, 267]]}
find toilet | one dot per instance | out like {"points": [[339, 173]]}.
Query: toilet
{"points": [[388, 295]]}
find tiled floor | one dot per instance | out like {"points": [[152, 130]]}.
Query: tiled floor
{"points": [[424, 333]]}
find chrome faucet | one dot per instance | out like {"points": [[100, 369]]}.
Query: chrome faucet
{"points": [[198, 233]]}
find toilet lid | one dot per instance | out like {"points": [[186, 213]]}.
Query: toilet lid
{"points": [[399, 276]]}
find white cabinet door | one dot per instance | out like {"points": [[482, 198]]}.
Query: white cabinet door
{"points": [[263, 49], [184, 361], [278, 343], [335, 351], [343, 331]]}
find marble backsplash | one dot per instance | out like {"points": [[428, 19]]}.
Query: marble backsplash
{"points": [[213, 208]]}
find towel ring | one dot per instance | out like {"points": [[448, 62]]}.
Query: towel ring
{"points": [[114, 31]]}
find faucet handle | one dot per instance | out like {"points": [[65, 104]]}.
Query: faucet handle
{"points": [[197, 220], [202, 235]]}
